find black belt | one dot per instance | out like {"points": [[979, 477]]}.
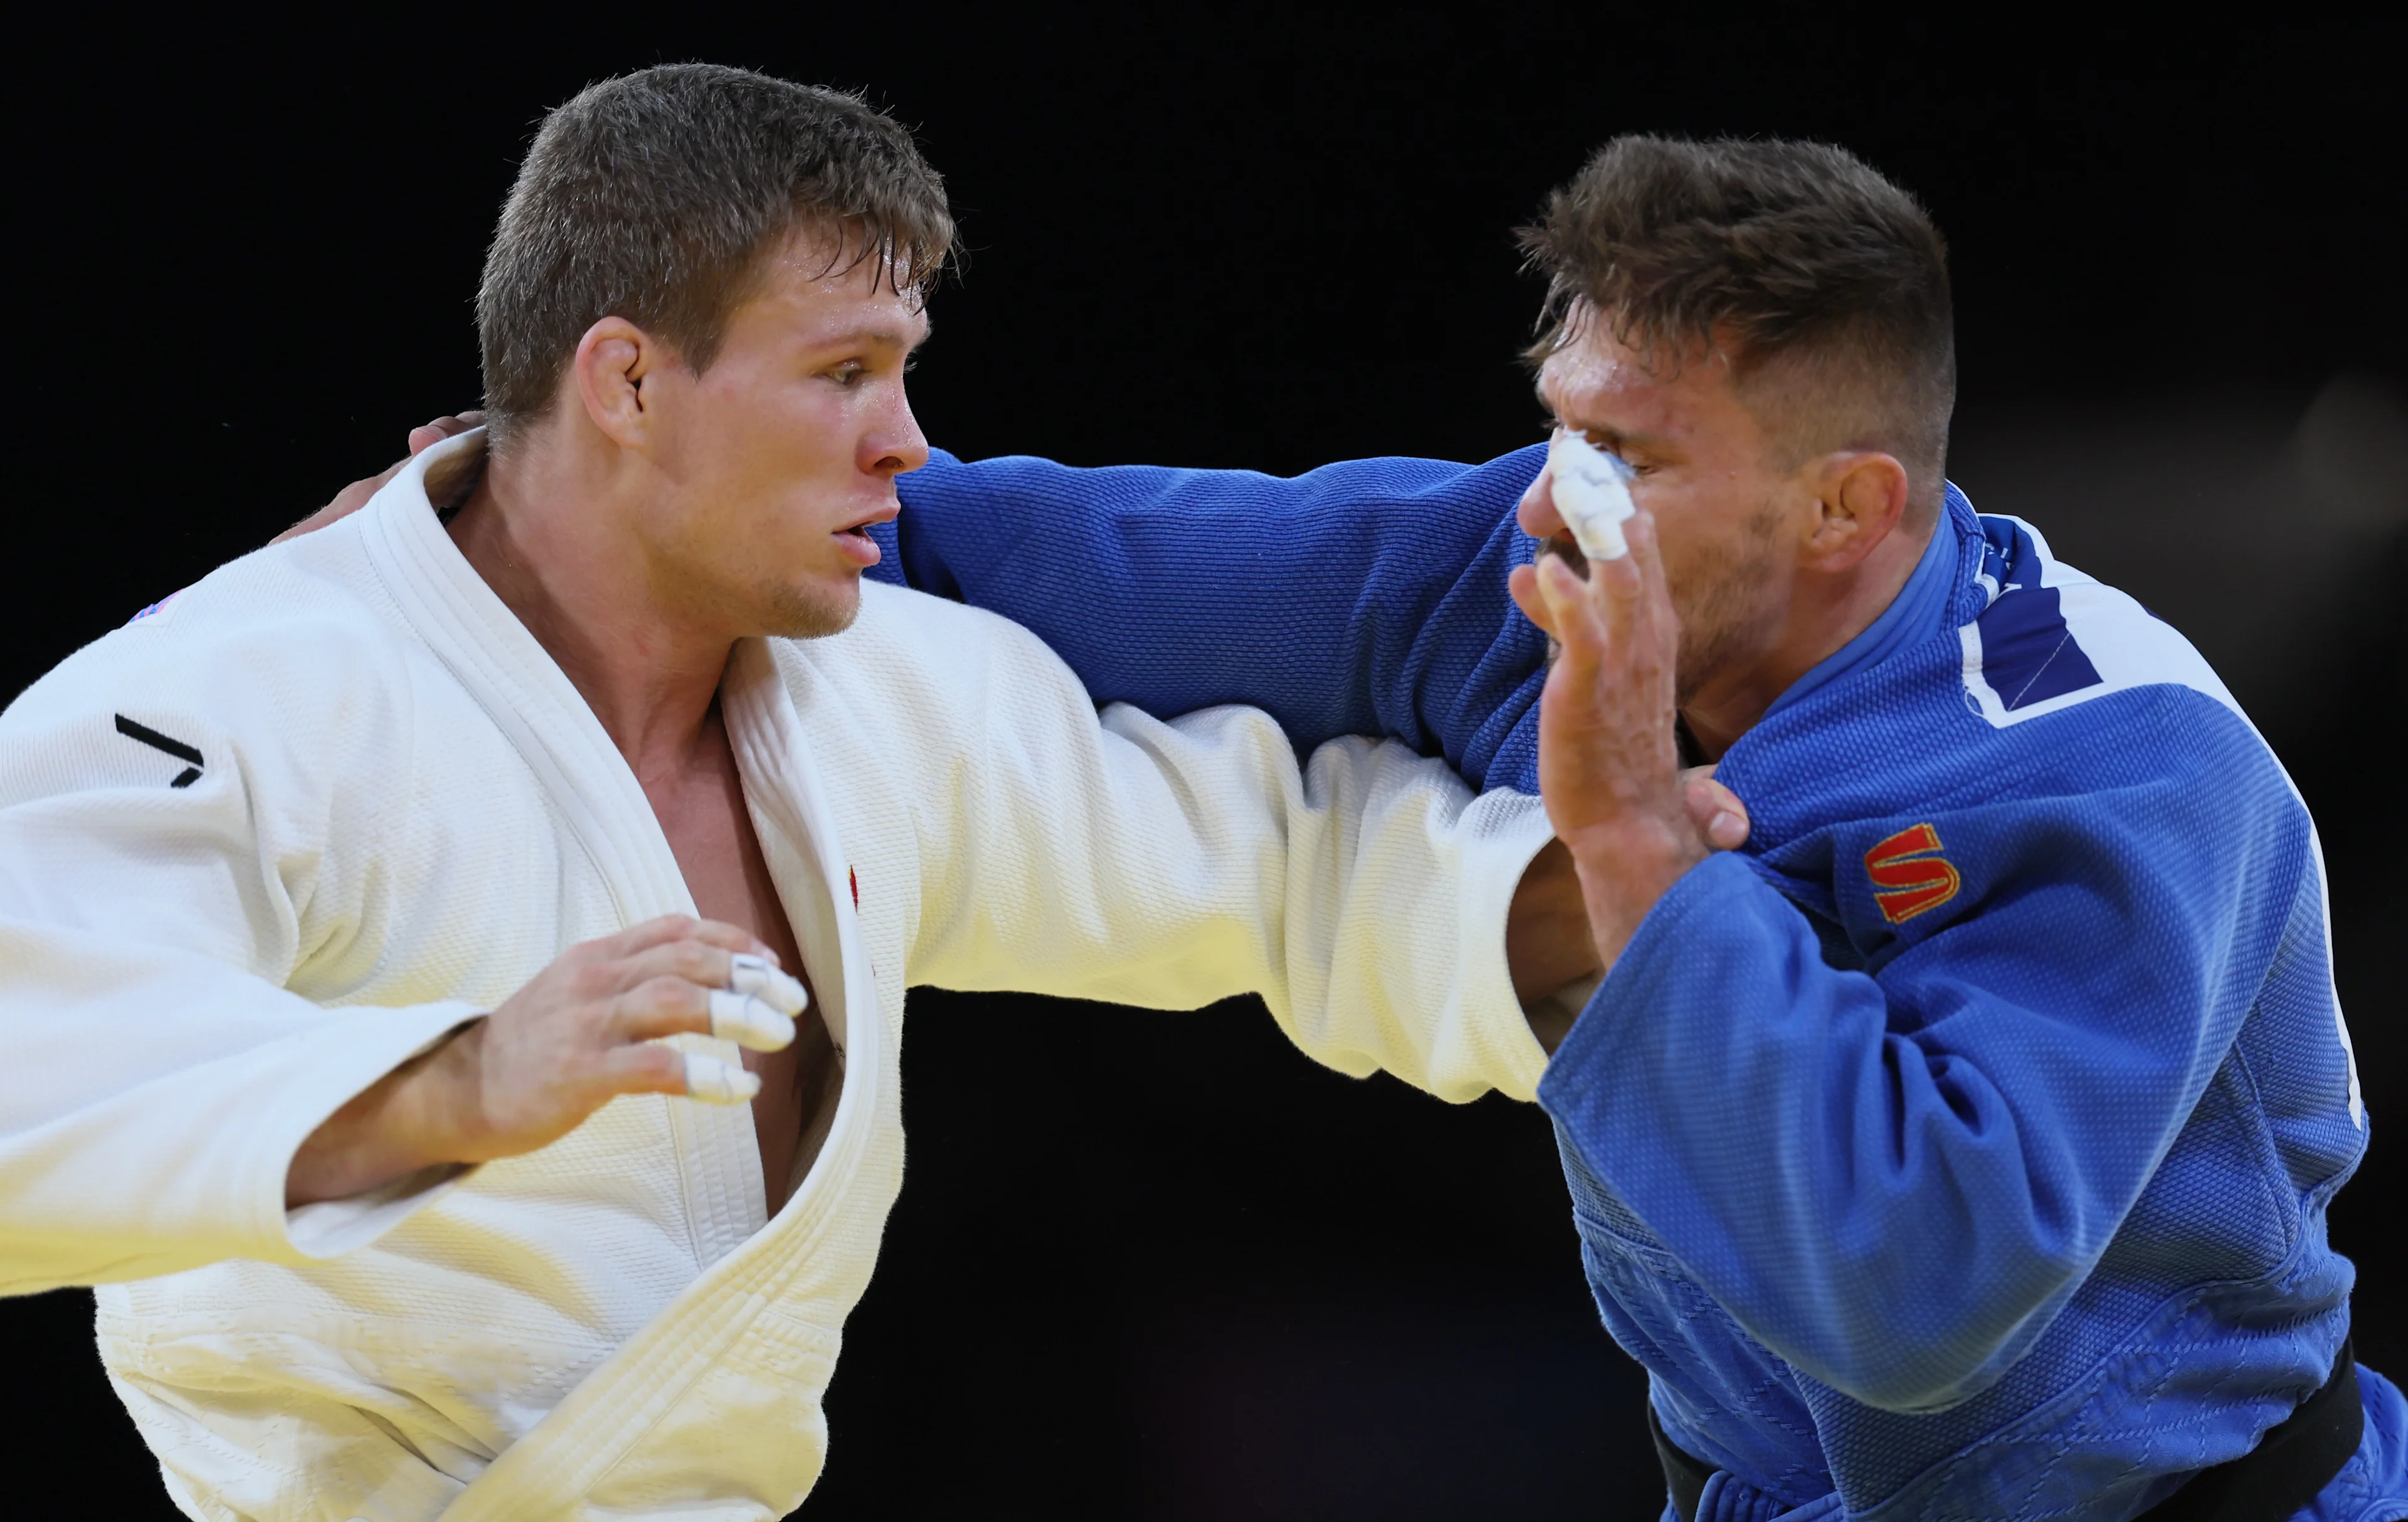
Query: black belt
{"points": [[2295, 1459]]}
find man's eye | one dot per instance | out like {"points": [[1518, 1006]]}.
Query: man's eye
{"points": [[848, 372]]}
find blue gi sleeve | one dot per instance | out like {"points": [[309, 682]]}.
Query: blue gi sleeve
{"points": [[1367, 597], [1893, 1178]]}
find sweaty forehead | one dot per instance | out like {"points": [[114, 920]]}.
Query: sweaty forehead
{"points": [[1597, 384], [855, 299]]}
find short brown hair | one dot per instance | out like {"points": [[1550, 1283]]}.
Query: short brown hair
{"points": [[654, 195], [1780, 251]]}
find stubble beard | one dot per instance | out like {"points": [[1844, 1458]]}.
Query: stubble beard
{"points": [[794, 613], [1729, 609]]}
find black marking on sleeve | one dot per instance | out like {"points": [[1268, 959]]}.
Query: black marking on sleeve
{"points": [[158, 741]]}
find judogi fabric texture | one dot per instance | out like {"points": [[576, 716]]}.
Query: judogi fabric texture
{"points": [[294, 825], [1961, 1147]]}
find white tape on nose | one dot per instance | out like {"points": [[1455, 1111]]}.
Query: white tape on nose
{"points": [[720, 1082], [1593, 493], [744, 1019], [760, 977]]}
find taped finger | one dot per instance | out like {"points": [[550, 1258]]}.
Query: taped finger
{"points": [[708, 1079], [761, 978], [747, 1021]]}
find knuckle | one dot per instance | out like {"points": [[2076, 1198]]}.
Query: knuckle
{"points": [[668, 995], [653, 931]]}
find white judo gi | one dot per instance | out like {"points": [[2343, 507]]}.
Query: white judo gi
{"points": [[265, 843]]}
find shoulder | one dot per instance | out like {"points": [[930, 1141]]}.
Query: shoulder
{"points": [[2077, 700], [910, 650], [271, 601], [912, 716], [2049, 677], [2053, 696], [284, 653], [917, 679], [2077, 679], [2051, 638]]}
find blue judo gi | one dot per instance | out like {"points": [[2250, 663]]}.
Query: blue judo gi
{"points": [[1959, 1148]]}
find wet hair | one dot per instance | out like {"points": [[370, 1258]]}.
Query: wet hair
{"points": [[1824, 284], [658, 196]]}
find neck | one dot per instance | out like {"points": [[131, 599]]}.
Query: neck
{"points": [[1825, 610], [553, 536]]}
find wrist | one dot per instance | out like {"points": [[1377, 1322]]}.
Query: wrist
{"points": [[1546, 928], [406, 1121], [1624, 869]]}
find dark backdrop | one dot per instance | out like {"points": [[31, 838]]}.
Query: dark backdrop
{"points": [[1160, 1266]]}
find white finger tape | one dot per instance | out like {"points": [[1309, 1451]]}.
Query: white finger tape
{"points": [[760, 977], [707, 1078], [1593, 493], [747, 1021]]}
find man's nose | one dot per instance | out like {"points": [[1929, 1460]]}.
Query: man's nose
{"points": [[1537, 512], [895, 446]]}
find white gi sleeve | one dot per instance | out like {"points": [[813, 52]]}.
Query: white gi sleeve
{"points": [[1172, 865], [170, 835]]}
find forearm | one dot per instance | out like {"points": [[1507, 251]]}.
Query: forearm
{"points": [[1419, 938], [1364, 896], [415, 1117], [1548, 943], [1366, 597]]}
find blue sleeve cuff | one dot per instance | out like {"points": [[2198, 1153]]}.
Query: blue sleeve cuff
{"points": [[1601, 1040]]}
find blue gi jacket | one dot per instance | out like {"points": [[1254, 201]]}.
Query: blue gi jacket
{"points": [[1959, 1148]]}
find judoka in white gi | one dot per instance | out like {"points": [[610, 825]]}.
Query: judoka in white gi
{"points": [[368, 909]]}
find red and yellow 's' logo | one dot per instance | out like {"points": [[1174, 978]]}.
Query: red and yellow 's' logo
{"points": [[1910, 875]]}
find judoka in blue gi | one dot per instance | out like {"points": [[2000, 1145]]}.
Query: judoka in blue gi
{"points": [[1961, 1146]]}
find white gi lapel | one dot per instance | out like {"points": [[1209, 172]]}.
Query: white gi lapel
{"points": [[522, 688], [533, 703], [790, 810], [766, 1304], [761, 1327]]}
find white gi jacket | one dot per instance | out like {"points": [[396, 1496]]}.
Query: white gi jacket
{"points": [[265, 843]]}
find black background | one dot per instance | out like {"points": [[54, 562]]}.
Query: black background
{"points": [[1160, 1266]]}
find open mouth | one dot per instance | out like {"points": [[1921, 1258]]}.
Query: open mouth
{"points": [[854, 542], [861, 530]]}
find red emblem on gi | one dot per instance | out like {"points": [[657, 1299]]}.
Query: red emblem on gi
{"points": [[1910, 875]]}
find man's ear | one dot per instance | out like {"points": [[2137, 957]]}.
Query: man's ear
{"points": [[611, 364], [1863, 497]]}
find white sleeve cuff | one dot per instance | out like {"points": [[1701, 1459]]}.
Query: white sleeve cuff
{"points": [[332, 1228], [348, 1061]]}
